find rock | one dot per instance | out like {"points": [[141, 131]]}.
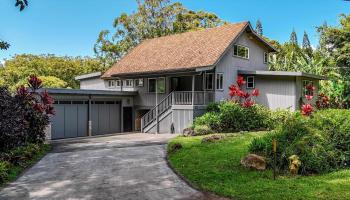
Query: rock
{"points": [[253, 161], [212, 138], [174, 147], [188, 132]]}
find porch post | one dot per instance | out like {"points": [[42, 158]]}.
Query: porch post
{"points": [[193, 82], [204, 87], [157, 125], [89, 116]]}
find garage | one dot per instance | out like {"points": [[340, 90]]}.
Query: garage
{"points": [[81, 113]]}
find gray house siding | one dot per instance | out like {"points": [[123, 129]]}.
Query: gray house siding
{"points": [[229, 64]]}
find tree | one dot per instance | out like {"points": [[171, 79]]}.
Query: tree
{"points": [[306, 41], [259, 28], [293, 38], [21, 4], [56, 72], [153, 18]]}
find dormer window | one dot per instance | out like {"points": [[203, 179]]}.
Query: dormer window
{"points": [[241, 51]]}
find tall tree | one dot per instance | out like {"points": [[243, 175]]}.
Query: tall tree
{"points": [[153, 18], [259, 28], [306, 41], [293, 38], [21, 4]]}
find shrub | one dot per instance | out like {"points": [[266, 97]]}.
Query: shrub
{"points": [[213, 107], [4, 168], [202, 130], [322, 142], [210, 119], [278, 117]]}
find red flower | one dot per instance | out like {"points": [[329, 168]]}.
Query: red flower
{"points": [[248, 103], [240, 80], [22, 91], [310, 87], [309, 97], [39, 107], [46, 98], [256, 92], [233, 90], [34, 82], [307, 109], [245, 95]]}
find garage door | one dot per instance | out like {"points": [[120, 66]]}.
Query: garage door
{"points": [[70, 119], [105, 117]]}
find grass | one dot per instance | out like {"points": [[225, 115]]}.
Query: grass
{"points": [[16, 170], [215, 167]]}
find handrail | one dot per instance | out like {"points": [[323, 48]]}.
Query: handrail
{"points": [[176, 98]]}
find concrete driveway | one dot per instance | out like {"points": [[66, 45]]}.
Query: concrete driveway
{"points": [[123, 167]]}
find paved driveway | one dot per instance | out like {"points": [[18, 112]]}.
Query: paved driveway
{"points": [[116, 167]]}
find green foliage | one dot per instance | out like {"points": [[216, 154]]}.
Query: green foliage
{"points": [[213, 107], [293, 38], [231, 117], [278, 117], [153, 18], [4, 168], [202, 130], [55, 71], [321, 142], [259, 28]]}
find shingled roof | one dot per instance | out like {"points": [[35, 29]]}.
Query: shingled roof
{"points": [[183, 51]]}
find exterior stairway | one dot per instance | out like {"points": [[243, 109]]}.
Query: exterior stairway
{"points": [[176, 111]]}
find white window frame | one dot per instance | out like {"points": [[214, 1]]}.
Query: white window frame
{"points": [[217, 79], [247, 82], [131, 81], [118, 83], [236, 55], [156, 85], [111, 84], [206, 82], [304, 90], [138, 81], [266, 57]]}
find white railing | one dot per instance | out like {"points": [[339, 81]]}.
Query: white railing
{"points": [[176, 98]]}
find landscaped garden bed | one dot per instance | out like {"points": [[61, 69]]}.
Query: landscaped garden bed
{"points": [[216, 167]]}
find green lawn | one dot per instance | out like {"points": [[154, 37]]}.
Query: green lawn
{"points": [[216, 167]]}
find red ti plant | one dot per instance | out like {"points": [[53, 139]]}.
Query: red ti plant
{"points": [[238, 95], [307, 109], [322, 101]]}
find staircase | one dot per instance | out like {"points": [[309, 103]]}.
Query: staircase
{"points": [[180, 103]]}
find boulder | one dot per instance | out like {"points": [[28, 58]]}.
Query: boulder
{"points": [[188, 132], [253, 161]]}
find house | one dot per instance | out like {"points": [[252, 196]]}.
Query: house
{"points": [[162, 84]]}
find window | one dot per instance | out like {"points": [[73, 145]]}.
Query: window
{"points": [[118, 83], [129, 83], [266, 57], [159, 83], [209, 81], [139, 82], [111, 84], [219, 81], [241, 51], [306, 91], [250, 82]]}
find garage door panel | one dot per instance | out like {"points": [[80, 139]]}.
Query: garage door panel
{"points": [[94, 119], [57, 122], [103, 120], [71, 121], [82, 120], [114, 118]]}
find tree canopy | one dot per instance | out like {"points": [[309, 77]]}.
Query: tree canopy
{"points": [[259, 28], [153, 18], [56, 72]]}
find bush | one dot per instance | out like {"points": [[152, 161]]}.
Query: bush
{"points": [[278, 117], [4, 168], [202, 130], [321, 142], [213, 107], [210, 119]]}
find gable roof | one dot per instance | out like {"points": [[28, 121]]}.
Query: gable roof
{"points": [[185, 51]]}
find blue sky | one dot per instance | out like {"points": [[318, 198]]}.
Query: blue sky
{"points": [[70, 27]]}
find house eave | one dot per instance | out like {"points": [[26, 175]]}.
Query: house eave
{"points": [[281, 73]]}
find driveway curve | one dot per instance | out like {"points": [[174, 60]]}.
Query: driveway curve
{"points": [[131, 166]]}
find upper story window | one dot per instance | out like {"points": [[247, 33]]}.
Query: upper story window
{"points": [[111, 83], [209, 81], [250, 82], [219, 81], [241, 51], [307, 83], [266, 57], [139, 82], [156, 85], [129, 83]]}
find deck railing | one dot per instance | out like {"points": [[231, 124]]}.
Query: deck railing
{"points": [[176, 98]]}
